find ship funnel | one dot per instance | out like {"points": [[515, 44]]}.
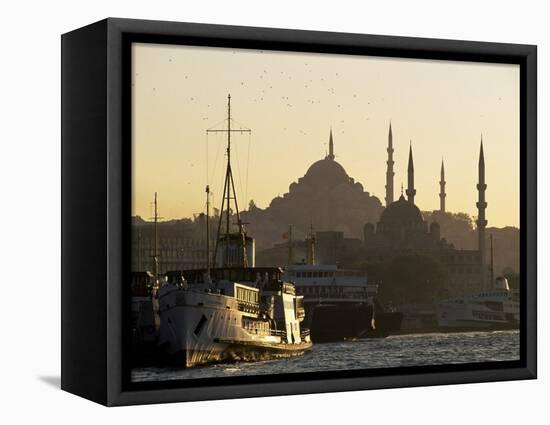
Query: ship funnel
{"points": [[502, 283]]}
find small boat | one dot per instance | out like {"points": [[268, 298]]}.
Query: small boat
{"points": [[145, 320], [144, 325], [144, 308]]}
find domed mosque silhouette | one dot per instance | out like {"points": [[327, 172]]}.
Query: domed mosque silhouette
{"points": [[402, 230], [325, 198]]}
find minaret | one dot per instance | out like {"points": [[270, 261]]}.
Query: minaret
{"points": [[481, 221], [442, 194], [410, 189], [389, 170], [330, 147]]}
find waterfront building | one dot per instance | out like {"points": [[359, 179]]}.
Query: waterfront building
{"points": [[181, 244]]}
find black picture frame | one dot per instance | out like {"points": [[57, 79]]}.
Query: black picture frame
{"points": [[96, 210]]}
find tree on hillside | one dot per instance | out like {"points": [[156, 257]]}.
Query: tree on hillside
{"points": [[375, 271], [413, 279], [456, 228]]}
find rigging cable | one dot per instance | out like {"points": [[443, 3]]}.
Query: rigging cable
{"points": [[241, 127], [239, 172], [215, 169]]}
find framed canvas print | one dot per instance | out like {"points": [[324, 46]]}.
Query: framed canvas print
{"points": [[254, 212]]}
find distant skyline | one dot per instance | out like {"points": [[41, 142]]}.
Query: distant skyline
{"points": [[291, 100]]}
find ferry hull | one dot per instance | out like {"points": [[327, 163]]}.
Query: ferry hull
{"points": [[466, 318], [188, 333]]}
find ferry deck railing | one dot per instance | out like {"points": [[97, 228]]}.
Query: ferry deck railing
{"points": [[248, 307]]}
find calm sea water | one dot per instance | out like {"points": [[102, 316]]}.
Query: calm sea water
{"points": [[394, 351]]}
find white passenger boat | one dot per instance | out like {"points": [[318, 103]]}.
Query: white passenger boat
{"points": [[339, 303], [497, 308]]}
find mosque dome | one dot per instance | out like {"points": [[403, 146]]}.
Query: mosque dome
{"points": [[401, 212], [326, 172]]}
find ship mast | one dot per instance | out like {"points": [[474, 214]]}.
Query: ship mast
{"points": [[155, 241], [229, 194], [208, 230], [492, 264], [311, 246], [139, 251]]}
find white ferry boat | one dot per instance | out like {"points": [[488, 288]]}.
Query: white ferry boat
{"points": [[493, 309], [233, 311], [230, 314]]}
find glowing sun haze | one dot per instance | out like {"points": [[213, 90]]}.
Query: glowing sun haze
{"points": [[290, 101]]}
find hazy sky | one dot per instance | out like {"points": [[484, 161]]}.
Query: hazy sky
{"points": [[290, 101]]}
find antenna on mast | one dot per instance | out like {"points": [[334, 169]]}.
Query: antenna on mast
{"points": [[229, 194], [311, 246]]}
